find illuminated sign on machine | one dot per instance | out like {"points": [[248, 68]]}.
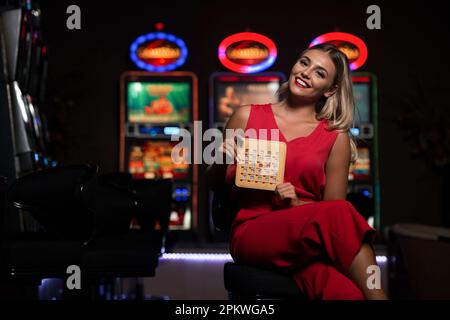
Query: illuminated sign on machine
{"points": [[247, 52], [353, 47], [158, 52]]}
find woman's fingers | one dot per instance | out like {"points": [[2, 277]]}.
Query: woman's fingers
{"points": [[240, 158], [228, 147], [287, 194], [285, 186], [286, 191]]}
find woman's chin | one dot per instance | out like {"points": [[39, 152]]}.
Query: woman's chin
{"points": [[298, 95], [297, 90]]}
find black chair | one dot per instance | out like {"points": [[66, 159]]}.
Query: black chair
{"points": [[85, 221], [244, 281], [425, 255]]}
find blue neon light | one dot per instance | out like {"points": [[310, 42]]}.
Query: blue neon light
{"points": [[153, 131], [354, 131], [181, 194], [161, 36], [171, 131], [262, 66]]}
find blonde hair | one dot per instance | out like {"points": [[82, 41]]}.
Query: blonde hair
{"points": [[338, 108]]}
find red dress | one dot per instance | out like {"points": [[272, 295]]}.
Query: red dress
{"points": [[315, 242]]}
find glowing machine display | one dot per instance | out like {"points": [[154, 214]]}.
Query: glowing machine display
{"points": [[155, 106]]}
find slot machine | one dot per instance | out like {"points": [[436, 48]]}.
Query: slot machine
{"points": [[25, 74], [36, 91], [157, 104], [364, 185], [16, 30], [22, 132], [247, 55]]}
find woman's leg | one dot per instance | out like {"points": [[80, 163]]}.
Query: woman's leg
{"points": [[321, 281], [328, 231], [347, 239], [358, 272]]}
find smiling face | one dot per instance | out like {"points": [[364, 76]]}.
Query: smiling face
{"points": [[313, 76]]}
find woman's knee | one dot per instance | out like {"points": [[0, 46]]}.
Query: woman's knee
{"points": [[340, 203], [339, 211], [323, 281]]}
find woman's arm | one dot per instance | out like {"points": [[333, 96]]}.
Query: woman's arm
{"points": [[215, 174], [337, 167]]}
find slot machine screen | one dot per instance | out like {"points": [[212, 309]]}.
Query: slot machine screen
{"points": [[231, 92], [360, 170], [158, 102], [361, 93], [153, 159]]}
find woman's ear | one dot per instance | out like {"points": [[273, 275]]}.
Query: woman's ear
{"points": [[331, 91]]}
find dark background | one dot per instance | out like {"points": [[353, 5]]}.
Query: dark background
{"points": [[409, 55]]}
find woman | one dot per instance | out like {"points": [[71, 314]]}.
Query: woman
{"points": [[306, 227]]}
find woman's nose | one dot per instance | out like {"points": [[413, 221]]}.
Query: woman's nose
{"points": [[305, 73]]}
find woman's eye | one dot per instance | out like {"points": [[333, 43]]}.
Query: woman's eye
{"points": [[302, 62], [320, 74]]}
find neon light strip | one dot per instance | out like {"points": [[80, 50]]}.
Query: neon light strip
{"points": [[252, 37], [220, 257], [197, 256], [347, 37], [154, 36], [360, 79]]}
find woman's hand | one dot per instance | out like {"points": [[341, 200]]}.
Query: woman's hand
{"points": [[285, 193], [230, 148], [216, 173]]}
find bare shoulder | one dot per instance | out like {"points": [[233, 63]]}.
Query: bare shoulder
{"points": [[239, 118], [342, 138], [341, 147]]}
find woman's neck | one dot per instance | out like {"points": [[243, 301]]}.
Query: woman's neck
{"points": [[298, 108]]}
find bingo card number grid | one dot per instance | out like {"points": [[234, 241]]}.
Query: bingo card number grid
{"points": [[261, 164]]}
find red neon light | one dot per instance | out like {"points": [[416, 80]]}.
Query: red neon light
{"points": [[229, 79], [247, 36], [248, 79], [361, 79], [345, 37]]}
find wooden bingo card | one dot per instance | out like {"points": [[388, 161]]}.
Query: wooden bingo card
{"points": [[260, 164]]}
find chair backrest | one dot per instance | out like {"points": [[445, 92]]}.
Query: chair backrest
{"points": [[426, 250], [154, 203], [52, 197], [223, 210], [112, 202], [74, 202]]}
